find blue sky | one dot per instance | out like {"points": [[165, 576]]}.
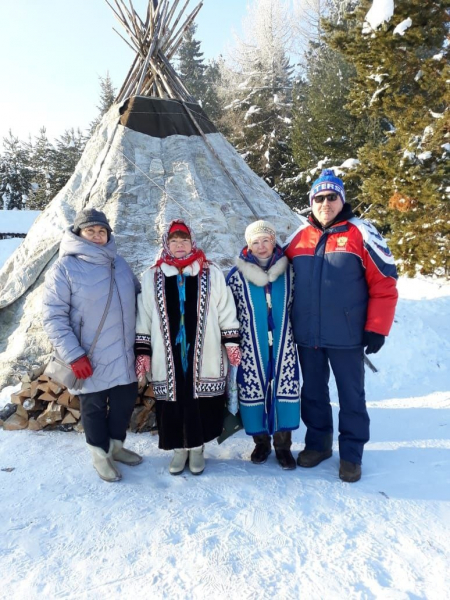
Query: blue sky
{"points": [[52, 53]]}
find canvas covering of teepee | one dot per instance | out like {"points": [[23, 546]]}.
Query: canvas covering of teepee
{"points": [[154, 157]]}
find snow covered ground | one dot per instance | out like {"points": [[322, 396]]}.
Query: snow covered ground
{"points": [[242, 531]]}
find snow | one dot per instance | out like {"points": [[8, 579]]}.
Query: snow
{"points": [[350, 163], [242, 531], [17, 221], [402, 27], [423, 156], [380, 11]]}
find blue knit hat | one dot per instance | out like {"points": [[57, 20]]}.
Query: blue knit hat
{"points": [[327, 182]]}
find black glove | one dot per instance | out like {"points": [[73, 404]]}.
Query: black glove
{"points": [[373, 341]]}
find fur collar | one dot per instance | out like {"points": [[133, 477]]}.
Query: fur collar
{"points": [[169, 270], [257, 275]]}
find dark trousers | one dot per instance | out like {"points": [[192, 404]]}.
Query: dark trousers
{"points": [[348, 371], [106, 415], [281, 440]]}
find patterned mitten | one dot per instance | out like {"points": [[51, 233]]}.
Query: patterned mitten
{"points": [[234, 355], [142, 366]]}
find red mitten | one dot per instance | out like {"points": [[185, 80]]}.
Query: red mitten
{"points": [[234, 355], [142, 365], [82, 368]]}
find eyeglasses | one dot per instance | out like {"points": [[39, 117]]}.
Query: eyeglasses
{"points": [[329, 197]]}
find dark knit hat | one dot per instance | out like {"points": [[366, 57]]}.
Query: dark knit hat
{"points": [[89, 217], [327, 182]]}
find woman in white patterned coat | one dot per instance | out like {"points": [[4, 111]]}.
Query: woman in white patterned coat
{"points": [[186, 333]]}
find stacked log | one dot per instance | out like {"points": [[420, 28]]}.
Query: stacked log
{"points": [[45, 404]]}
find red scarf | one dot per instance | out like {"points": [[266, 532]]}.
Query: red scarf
{"points": [[194, 255]]}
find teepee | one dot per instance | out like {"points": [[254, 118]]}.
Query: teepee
{"points": [[154, 157]]}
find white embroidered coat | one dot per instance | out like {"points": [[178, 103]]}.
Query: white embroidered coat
{"points": [[217, 321]]}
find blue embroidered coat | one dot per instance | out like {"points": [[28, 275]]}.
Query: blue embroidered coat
{"points": [[269, 375]]}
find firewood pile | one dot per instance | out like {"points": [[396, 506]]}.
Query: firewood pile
{"points": [[44, 404]]}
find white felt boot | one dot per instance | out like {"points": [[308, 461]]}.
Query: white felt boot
{"points": [[127, 457], [196, 460], [104, 464], [178, 461]]}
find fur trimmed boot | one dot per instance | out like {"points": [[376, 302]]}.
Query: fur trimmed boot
{"points": [[104, 464], [127, 457], [196, 460], [178, 462]]}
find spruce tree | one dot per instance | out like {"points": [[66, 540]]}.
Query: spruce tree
{"points": [[199, 78], [401, 74], [42, 163], [325, 133], [15, 174], [69, 148], [107, 97]]}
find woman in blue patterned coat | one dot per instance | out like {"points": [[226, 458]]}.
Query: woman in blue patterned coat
{"points": [[268, 376]]}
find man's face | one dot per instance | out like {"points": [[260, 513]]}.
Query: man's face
{"points": [[326, 206]]}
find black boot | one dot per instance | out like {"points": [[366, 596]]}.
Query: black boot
{"points": [[312, 458], [260, 454], [349, 472], [285, 459]]}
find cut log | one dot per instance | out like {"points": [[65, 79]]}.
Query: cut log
{"points": [[15, 422], [75, 413], [34, 425], [55, 388], [34, 388], [64, 398], [69, 419], [47, 397], [43, 378], [15, 399], [74, 402], [32, 404], [53, 414], [25, 392]]}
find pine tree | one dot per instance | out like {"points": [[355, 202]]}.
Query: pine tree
{"points": [[15, 174], [199, 78], [107, 97], [401, 73], [42, 164]]}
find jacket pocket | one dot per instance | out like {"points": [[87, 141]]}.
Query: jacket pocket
{"points": [[349, 322]]}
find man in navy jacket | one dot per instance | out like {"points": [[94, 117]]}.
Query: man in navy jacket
{"points": [[345, 298]]}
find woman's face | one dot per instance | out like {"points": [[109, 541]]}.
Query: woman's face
{"points": [[96, 234], [262, 246], [179, 246]]}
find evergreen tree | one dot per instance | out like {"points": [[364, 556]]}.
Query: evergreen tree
{"points": [[42, 164], [401, 74], [15, 174], [258, 93], [324, 132], [199, 78], [107, 97], [69, 148]]}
